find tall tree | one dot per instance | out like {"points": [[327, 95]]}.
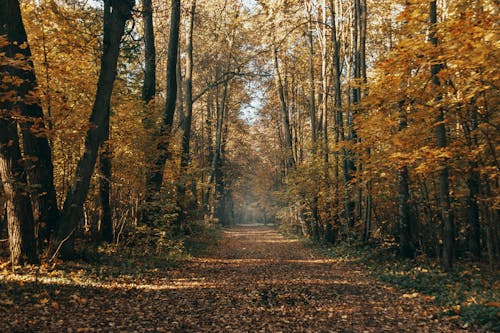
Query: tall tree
{"points": [[290, 161], [149, 83], [105, 216], [19, 212], [446, 214], [155, 175], [406, 246], [12, 172], [105, 174], [38, 155], [114, 27], [186, 125]]}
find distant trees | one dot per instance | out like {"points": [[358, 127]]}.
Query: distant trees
{"points": [[404, 107], [376, 121]]}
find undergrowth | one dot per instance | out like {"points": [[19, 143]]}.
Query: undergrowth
{"points": [[147, 251]]}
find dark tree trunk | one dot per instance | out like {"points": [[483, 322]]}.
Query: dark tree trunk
{"points": [[446, 214], [216, 175], [406, 236], [474, 184], [210, 150], [155, 175], [406, 246], [186, 128], [105, 217], [290, 161], [19, 212], [339, 122], [114, 25], [149, 84], [312, 92], [324, 91], [38, 154]]}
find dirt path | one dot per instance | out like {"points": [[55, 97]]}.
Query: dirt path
{"points": [[255, 280]]}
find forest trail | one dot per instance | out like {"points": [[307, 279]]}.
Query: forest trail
{"points": [[254, 280]]}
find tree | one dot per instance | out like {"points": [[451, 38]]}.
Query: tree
{"points": [[38, 155], [186, 125], [114, 26], [155, 175], [149, 83], [446, 214], [290, 161]]}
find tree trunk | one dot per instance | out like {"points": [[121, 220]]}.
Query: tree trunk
{"points": [[19, 212], [406, 246], [105, 218], [155, 175], [186, 128], [290, 161], [38, 154], [312, 90], [474, 185], [339, 122], [210, 150], [325, 88], [149, 84], [216, 176], [474, 232], [446, 214], [114, 24]]}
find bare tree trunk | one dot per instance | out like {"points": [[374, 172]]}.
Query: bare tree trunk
{"points": [[19, 212], [474, 185], [406, 246], [338, 113], [149, 83], [216, 177], [105, 218], [148, 88], [38, 154], [155, 175], [209, 148], [114, 25], [186, 130], [290, 161], [349, 165], [444, 195], [324, 85], [312, 90]]}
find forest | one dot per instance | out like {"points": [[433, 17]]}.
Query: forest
{"points": [[143, 130]]}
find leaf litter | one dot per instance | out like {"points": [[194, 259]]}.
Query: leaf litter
{"points": [[254, 280]]}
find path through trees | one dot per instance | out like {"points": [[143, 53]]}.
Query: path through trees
{"points": [[255, 280]]}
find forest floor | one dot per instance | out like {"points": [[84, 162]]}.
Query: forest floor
{"points": [[254, 280]]}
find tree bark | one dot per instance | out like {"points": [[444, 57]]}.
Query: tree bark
{"points": [[406, 245], [38, 154], [325, 88], [105, 170], [446, 214], [19, 212], [312, 90], [290, 161], [216, 176], [149, 84], [114, 26], [155, 175], [186, 128]]}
